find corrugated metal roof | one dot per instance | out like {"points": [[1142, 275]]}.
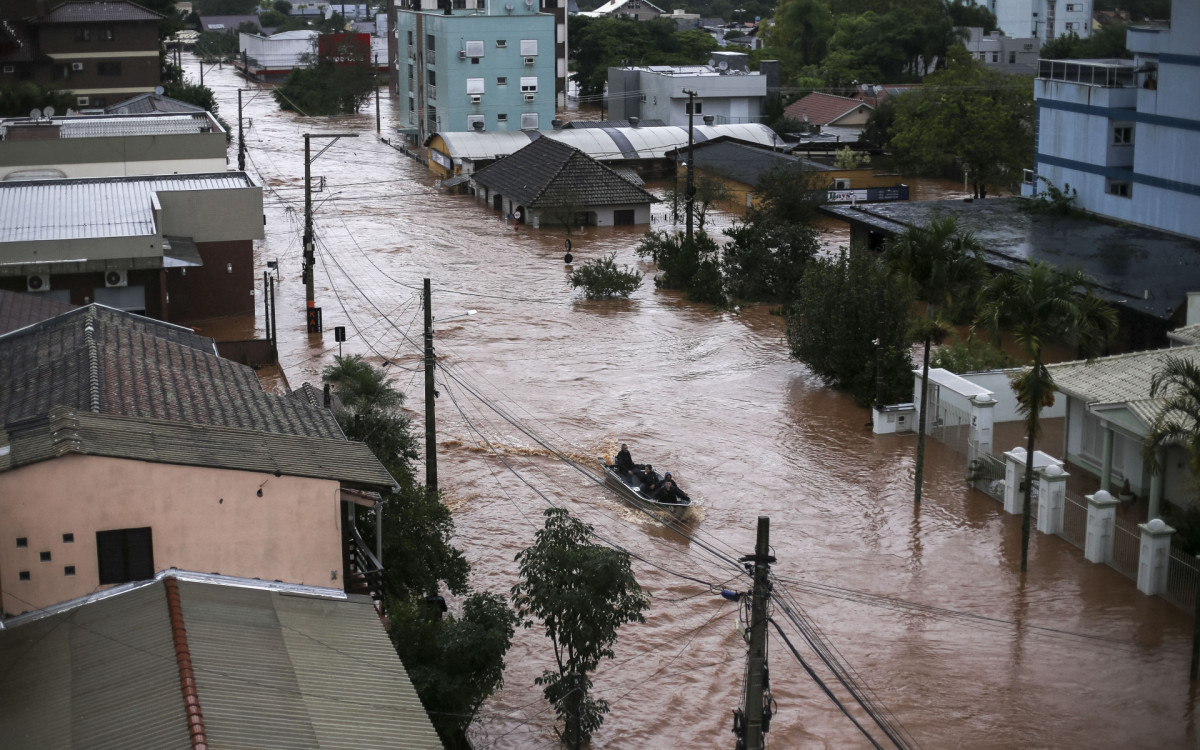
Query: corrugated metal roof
{"points": [[148, 103], [36, 210], [111, 126], [603, 144], [286, 671], [99, 676], [86, 12]]}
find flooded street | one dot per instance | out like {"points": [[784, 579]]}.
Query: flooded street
{"points": [[926, 606]]}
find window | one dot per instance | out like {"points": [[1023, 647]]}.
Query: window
{"points": [[410, 38], [1070, 26], [69, 570], [106, 35], [528, 84], [431, 77], [125, 555], [83, 35], [99, 101], [529, 121], [1072, 7], [23, 575], [68, 538], [1012, 57], [44, 556], [474, 60], [410, 72], [474, 49], [81, 101], [623, 217], [22, 541], [995, 57], [430, 41], [687, 108], [502, 117], [501, 43], [9, 69], [60, 72], [1123, 135], [109, 68], [982, 57], [528, 47], [502, 81], [1119, 188]]}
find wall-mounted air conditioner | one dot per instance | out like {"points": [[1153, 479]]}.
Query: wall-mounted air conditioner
{"points": [[116, 278], [530, 97], [76, 66], [476, 98], [462, 54], [37, 283], [530, 60]]}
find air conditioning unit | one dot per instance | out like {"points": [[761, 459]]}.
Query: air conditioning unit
{"points": [[116, 278], [476, 98], [37, 283], [530, 60], [76, 66], [530, 97], [462, 54]]}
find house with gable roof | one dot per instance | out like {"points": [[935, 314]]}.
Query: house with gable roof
{"points": [[547, 179], [822, 109], [129, 446]]}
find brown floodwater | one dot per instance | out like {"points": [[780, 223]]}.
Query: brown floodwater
{"points": [[926, 606]]}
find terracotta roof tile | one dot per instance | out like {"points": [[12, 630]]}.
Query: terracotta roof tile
{"points": [[822, 109]]}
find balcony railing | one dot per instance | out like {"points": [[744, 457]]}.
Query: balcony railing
{"points": [[430, 91], [1105, 74], [431, 56], [364, 574]]}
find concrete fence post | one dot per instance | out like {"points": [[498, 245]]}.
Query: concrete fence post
{"points": [[1052, 498], [982, 422], [1014, 474], [1101, 524], [1154, 556]]}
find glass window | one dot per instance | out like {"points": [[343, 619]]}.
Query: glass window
{"points": [[474, 49], [529, 121], [502, 81], [125, 555], [1123, 135], [529, 84]]}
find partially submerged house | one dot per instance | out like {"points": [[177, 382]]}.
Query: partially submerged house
{"points": [[823, 109], [550, 182]]}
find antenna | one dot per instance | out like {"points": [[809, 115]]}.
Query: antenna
{"points": [[35, 114], [48, 112], [158, 90]]}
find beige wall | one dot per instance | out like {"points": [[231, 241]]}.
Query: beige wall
{"points": [[207, 520]]}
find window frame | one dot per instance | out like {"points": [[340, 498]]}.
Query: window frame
{"points": [[124, 555]]}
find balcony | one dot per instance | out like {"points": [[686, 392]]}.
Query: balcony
{"points": [[430, 91], [431, 56], [364, 573], [1105, 74]]}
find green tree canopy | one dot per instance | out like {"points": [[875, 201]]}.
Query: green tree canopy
{"points": [[340, 82], [598, 44], [582, 592], [1107, 42], [19, 99], [969, 118]]}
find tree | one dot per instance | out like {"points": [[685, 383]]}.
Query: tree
{"points": [[1041, 306], [944, 266], [803, 27], [454, 663], [340, 82], [601, 278], [582, 592], [968, 14], [765, 258], [18, 99], [1178, 421], [1106, 42], [848, 324], [691, 265], [968, 118]]}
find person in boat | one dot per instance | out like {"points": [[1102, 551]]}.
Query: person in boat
{"points": [[624, 462], [648, 479], [670, 492]]}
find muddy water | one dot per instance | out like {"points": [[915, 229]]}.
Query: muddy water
{"points": [[966, 653]]}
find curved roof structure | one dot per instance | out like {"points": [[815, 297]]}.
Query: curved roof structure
{"points": [[602, 144]]}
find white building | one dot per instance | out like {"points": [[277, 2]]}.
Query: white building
{"points": [[1043, 19], [726, 90], [1124, 133], [1006, 54]]}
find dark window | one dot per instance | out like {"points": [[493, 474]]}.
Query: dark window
{"points": [[69, 570], [498, 202], [68, 538], [45, 556], [687, 108], [100, 101], [60, 72], [83, 35], [1012, 58], [106, 35], [109, 68], [22, 541], [474, 60], [125, 555], [623, 217], [23, 575]]}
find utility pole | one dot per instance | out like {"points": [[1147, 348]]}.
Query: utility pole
{"points": [[241, 137], [691, 180], [376, 94], [313, 312], [756, 668], [431, 480]]}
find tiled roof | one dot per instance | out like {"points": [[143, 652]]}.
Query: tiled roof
{"points": [[549, 173], [144, 104], [271, 666], [1123, 379], [18, 309], [1187, 335], [87, 12], [17, 43], [90, 208], [822, 109], [739, 161]]}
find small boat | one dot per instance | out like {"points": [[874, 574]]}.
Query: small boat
{"points": [[635, 493]]}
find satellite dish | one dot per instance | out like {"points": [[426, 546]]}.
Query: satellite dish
{"points": [[723, 65], [48, 112], [35, 114], [158, 90]]}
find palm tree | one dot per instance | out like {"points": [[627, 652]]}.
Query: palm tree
{"points": [[941, 263], [1179, 421], [1041, 306]]}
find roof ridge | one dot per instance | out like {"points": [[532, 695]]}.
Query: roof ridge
{"points": [[93, 355], [183, 660]]}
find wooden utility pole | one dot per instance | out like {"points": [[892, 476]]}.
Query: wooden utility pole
{"points": [[756, 667], [431, 480], [691, 181]]}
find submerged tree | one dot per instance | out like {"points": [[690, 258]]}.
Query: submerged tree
{"points": [[1039, 307], [944, 265], [340, 81], [582, 592], [691, 265], [601, 278]]}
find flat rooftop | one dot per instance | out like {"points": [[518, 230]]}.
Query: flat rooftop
{"points": [[1138, 268]]}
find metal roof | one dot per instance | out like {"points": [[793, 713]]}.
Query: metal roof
{"points": [[143, 104], [110, 126], [603, 144], [87, 12], [36, 210], [273, 669]]}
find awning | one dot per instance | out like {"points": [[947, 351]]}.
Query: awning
{"points": [[455, 181], [180, 252]]}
